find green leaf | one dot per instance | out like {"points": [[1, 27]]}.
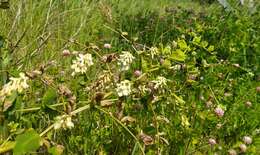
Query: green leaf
{"points": [[50, 96], [56, 150], [27, 142], [211, 48], [183, 45], [204, 44], [166, 63], [196, 39], [7, 146], [166, 50], [178, 55], [179, 99]]}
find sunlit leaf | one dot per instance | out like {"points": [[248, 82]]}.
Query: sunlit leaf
{"points": [[178, 55], [166, 63], [7, 146], [182, 44], [27, 142], [211, 48]]}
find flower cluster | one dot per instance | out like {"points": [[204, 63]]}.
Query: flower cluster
{"points": [[247, 139], [123, 88], [15, 84], [125, 60], [212, 141], [154, 51], [63, 121], [81, 64], [160, 82], [219, 112]]}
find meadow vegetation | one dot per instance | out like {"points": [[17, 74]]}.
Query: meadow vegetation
{"points": [[130, 77]]}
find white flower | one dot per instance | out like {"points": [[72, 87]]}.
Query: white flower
{"points": [[58, 123], [15, 84], [123, 88], [176, 67], [143, 89], [160, 82], [212, 141], [243, 148], [247, 139], [108, 46], [125, 60], [232, 152], [81, 64], [154, 51], [69, 123], [63, 121]]}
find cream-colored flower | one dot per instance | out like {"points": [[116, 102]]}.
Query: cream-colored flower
{"points": [[15, 84], [154, 51], [143, 89], [81, 64], [58, 122], [160, 82], [124, 88], [64, 122], [69, 123], [125, 60]]}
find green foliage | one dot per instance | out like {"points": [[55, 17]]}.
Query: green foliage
{"points": [[27, 142], [49, 96], [178, 55], [189, 59]]}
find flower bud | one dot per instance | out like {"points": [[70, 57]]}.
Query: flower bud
{"points": [[137, 73], [236, 65], [209, 104], [258, 89], [161, 61], [232, 152], [212, 141], [65, 52], [243, 147], [247, 140], [248, 104], [107, 46], [219, 112]]}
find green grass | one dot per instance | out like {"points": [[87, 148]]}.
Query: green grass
{"points": [[177, 118]]}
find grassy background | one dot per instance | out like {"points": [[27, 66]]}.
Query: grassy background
{"points": [[37, 32]]}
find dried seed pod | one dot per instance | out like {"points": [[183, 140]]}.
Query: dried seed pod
{"points": [[109, 57], [102, 83], [147, 140], [99, 96]]}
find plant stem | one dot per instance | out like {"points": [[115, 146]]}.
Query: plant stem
{"points": [[120, 123]]}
